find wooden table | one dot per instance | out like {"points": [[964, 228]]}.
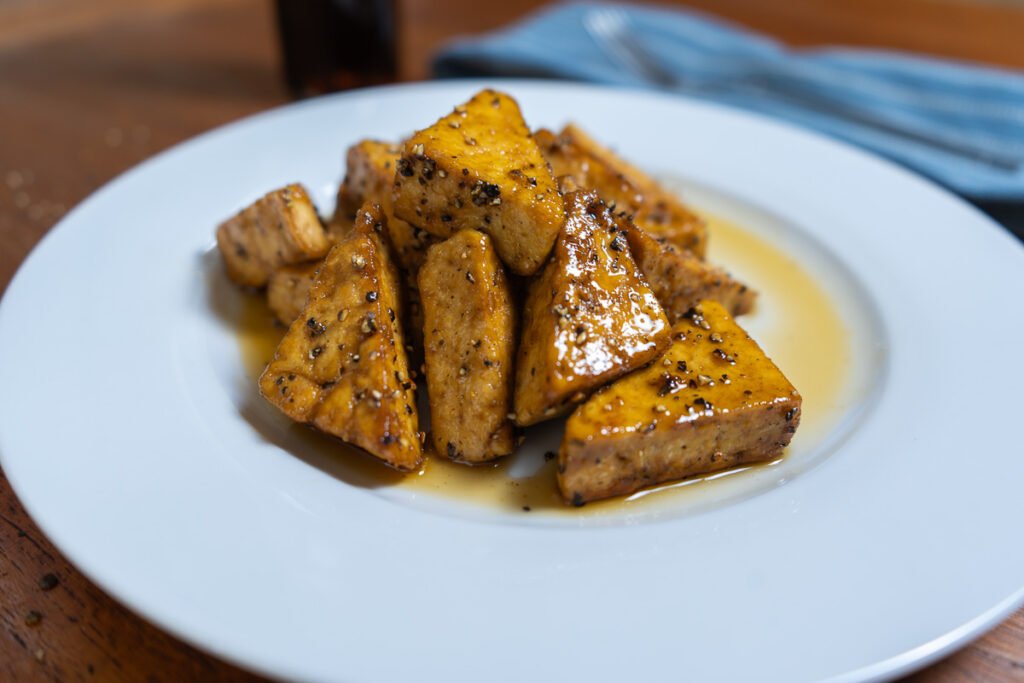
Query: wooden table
{"points": [[88, 89]]}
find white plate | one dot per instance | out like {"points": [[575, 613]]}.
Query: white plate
{"points": [[130, 433]]}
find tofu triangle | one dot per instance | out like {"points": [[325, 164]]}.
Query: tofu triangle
{"points": [[681, 280], [589, 317], [579, 159], [470, 321], [342, 365], [480, 168], [713, 401]]}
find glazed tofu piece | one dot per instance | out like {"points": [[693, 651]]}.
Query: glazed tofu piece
{"points": [[712, 402], [469, 339], [341, 366], [589, 317], [680, 280], [369, 173], [287, 290], [279, 229], [479, 168], [586, 164], [370, 177]]}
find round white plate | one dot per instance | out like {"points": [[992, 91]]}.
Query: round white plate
{"points": [[131, 435]]}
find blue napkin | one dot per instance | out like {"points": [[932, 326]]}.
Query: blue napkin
{"points": [[955, 101]]}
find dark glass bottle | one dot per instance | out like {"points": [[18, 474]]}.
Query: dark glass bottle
{"points": [[337, 44]]}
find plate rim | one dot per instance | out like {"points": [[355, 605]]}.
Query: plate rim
{"points": [[906, 662]]}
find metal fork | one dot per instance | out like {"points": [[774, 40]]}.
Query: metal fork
{"points": [[611, 30]]}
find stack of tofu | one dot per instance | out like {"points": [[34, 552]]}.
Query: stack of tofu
{"points": [[530, 275]]}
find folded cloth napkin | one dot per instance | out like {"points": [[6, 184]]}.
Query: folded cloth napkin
{"points": [[954, 101]]}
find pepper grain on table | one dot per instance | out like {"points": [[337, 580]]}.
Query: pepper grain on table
{"points": [[94, 88]]}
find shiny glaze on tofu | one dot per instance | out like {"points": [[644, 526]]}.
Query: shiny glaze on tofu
{"points": [[681, 280], [342, 366], [279, 229], [287, 290], [591, 166], [712, 402], [589, 317], [479, 168], [469, 339]]}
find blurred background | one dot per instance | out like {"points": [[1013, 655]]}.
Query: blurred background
{"points": [[89, 88]]}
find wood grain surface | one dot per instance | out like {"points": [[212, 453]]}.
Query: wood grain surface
{"points": [[89, 89]]}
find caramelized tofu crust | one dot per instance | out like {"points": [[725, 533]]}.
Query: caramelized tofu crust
{"points": [[680, 280], [341, 366], [584, 163], [589, 317], [279, 229], [469, 338], [479, 168], [712, 402], [370, 177], [287, 290]]}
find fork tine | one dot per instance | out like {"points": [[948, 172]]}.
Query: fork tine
{"points": [[609, 27], [606, 27]]}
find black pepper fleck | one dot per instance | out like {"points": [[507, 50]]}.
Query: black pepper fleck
{"points": [[484, 193], [405, 168], [315, 328]]}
